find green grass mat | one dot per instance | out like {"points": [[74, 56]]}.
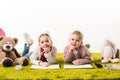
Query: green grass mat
{"points": [[59, 74]]}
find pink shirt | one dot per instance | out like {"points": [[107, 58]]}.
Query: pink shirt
{"points": [[81, 54]]}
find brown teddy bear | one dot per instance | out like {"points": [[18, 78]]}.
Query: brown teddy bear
{"points": [[8, 54]]}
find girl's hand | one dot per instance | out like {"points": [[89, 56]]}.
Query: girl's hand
{"points": [[76, 62], [46, 49], [72, 48], [45, 64]]}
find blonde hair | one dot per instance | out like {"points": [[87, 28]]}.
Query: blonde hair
{"points": [[78, 33], [44, 34]]}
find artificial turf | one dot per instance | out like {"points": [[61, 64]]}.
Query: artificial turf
{"points": [[26, 73]]}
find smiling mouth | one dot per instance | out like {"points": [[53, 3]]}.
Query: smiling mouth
{"points": [[46, 46], [73, 44]]}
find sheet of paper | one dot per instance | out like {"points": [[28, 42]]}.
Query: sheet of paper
{"points": [[54, 66], [78, 66]]}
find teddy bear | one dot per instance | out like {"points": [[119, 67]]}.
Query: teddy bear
{"points": [[109, 52], [9, 55]]}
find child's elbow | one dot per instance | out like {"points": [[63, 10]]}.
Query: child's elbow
{"points": [[90, 60], [52, 62], [67, 60]]}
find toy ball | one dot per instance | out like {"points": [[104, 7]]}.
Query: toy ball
{"points": [[18, 67]]}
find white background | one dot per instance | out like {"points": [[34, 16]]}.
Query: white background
{"points": [[96, 19]]}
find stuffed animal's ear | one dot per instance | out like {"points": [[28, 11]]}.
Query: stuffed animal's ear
{"points": [[16, 40], [1, 38]]}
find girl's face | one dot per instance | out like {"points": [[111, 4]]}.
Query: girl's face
{"points": [[75, 41], [45, 42]]}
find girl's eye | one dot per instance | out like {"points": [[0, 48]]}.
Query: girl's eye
{"points": [[77, 40], [72, 39], [42, 42], [47, 41]]}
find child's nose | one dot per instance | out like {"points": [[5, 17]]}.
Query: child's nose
{"points": [[74, 41], [45, 43]]}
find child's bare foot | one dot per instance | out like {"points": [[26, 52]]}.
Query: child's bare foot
{"points": [[87, 45], [28, 39]]}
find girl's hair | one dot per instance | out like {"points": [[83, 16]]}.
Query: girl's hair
{"points": [[78, 33], [44, 34]]}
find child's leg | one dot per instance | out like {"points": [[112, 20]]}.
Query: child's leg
{"points": [[87, 45], [28, 54], [26, 49], [28, 39], [29, 42]]}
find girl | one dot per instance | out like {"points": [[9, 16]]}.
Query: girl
{"points": [[45, 53], [75, 52]]}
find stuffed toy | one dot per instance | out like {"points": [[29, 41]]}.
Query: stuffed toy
{"points": [[109, 52], [9, 55], [112, 66], [2, 33]]}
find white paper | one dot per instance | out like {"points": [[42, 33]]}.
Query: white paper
{"points": [[54, 66], [78, 66]]}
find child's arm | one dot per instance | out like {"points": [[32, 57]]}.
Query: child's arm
{"points": [[86, 60], [85, 57], [34, 57], [68, 55], [51, 56]]}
